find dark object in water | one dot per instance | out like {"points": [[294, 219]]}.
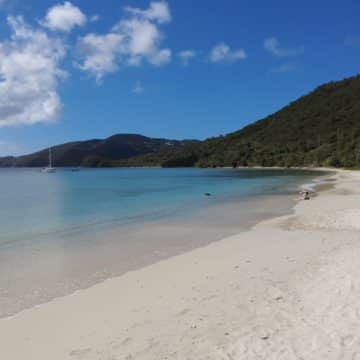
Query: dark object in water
{"points": [[207, 194], [305, 194]]}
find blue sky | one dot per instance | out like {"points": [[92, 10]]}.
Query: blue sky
{"points": [[176, 69]]}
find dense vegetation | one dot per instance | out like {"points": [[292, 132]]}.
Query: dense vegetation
{"points": [[319, 129], [97, 153]]}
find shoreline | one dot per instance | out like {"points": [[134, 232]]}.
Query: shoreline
{"points": [[103, 257], [236, 296], [103, 253]]}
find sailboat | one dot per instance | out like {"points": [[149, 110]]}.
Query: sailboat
{"points": [[49, 168]]}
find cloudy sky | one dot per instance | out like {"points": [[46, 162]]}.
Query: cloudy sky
{"points": [[178, 68]]}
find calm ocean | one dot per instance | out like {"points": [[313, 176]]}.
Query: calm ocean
{"points": [[55, 228]]}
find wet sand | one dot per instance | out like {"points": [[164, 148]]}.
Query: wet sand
{"points": [[31, 274], [286, 289]]}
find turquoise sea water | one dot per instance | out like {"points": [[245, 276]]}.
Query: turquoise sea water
{"points": [[33, 204], [68, 230]]}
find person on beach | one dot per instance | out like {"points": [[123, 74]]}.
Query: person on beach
{"points": [[305, 195]]}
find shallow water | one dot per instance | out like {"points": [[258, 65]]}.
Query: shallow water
{"points": [[64, 231]]}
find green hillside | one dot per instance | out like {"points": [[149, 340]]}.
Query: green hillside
{"points": [[319, 129], [97, 152]]}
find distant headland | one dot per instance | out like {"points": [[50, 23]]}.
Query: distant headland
{"points": [[319, 129]]}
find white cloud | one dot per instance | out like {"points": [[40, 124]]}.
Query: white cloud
{"points": [[140, 36], [158, 11], [223, 53], [138, 88], [161, 57], [64, 17], [101, 53], [29, 72], [186, 56], [94, 18], [272, 45], [134, 39]]}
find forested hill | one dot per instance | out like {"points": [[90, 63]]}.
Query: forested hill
{"points": [[319, 129], [97, 152]]}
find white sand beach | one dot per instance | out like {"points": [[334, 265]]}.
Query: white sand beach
{"points": [[287, 289]]}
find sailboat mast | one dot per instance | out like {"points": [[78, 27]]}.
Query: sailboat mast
{"points": [[49, 168]]}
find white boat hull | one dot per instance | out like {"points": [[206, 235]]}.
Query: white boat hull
{"points": [[48, 170]]}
